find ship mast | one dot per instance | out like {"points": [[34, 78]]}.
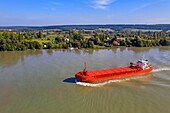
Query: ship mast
{"points": [[85, 65], [84, 71]]}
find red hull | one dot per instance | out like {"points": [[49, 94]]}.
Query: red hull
{"points": [[108, 74]]}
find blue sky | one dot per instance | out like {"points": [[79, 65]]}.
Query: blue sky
{"points": [[64, 12]]}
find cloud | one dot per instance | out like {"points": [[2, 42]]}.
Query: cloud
{"points": [[102, 4], [49, 8], [55, 3], [52, 6], [141, 7], [152, 2]]}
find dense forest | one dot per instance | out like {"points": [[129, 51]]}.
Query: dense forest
{"points": [[100, 38]]}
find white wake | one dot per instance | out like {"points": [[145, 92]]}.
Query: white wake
{"points": [[161, 69], [107, 82]]}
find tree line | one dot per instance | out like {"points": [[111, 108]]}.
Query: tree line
{"points": [[20, 41], [112, 39], [10, 41]]}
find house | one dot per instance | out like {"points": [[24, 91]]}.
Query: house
{"points": [[115, 43]]}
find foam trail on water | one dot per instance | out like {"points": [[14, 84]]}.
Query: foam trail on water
{"points": [[106, 82], [161, 69], [97, 84]]}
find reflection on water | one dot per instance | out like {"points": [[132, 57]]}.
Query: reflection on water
{"points": [[8, 59], [139, 50], [50, 52], [43, 81]]}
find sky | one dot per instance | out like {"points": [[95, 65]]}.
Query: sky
{"points": [[82, 12]]}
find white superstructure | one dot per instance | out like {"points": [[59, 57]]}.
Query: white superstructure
{"points": [[143, 64]]}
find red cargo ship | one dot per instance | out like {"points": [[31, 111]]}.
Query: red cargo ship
{"points": [[141, 67]]}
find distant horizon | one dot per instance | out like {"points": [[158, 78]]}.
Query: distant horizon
{"points": [[75, 25], [84, 12]]}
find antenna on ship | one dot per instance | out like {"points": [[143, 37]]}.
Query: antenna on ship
{"points": [[143, 57], [85, 65]]}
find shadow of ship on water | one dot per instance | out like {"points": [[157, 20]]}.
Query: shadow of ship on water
{"points": [[70, 80]]}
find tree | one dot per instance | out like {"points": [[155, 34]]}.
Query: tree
{"points": [[58, 40], [91, 44], [40, 35], [76, 44]]}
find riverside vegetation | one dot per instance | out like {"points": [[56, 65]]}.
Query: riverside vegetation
{"points": [[20, 41]]}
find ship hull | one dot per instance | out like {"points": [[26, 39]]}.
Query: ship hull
{"points": [[109, 74]]}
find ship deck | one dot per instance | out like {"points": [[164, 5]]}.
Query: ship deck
{"points": [[111, 71]]}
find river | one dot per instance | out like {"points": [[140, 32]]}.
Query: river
{"points": [[42, 81]]}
